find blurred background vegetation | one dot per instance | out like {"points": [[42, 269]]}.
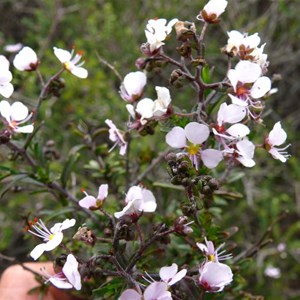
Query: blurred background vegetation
{"points": [[112, 31]]}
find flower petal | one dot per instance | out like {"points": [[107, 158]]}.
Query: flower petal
{"points": [[157, 290], [247, 72], [88, 201], [277, 135], [6, 89], [38, 251], [70, 269], [178, 276], [55, 240], [167, 273], [19, 111], [211, 157], [103, 191], [238, 130], [130, 294], [5, 109], [176, 137], [261, 86], [60, 283], [79, 72], [62, 55], [196, 133], [25, 129]]}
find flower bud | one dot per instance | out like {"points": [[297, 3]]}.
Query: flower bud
{"points": [[213, 184], [141, 63], [85, 235], [176, 78], [181, 225], [185, 30]]}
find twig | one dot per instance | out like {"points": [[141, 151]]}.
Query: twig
{"points": [[106, 63]]}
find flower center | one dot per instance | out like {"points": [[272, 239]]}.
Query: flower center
{"points": [[50, 237], [211, 257], [67, 66], [192, 149], [241, 90]]}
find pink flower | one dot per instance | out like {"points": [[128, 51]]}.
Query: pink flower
{"points": [[191, 139], [69, 277], [138, 200], [15, 115], [26, 60], [70, 63], [211, 253], [90, 202], [117, 137], [132, 86], [52, 238], [277, 137], [6, 88], [212, 10], [170, 275], [214, 276]]}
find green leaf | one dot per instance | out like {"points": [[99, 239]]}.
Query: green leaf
{"points": [[73, 158]]}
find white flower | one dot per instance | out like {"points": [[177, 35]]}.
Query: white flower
{"points": [[132, 86], [6, 88], [277, 137], [155, 291], [138, 200], [117, 137], [272, 272], [211, 253], [246, 47], [230, 114], [148, 108], [156, 32], [13, 47], [212, 10], [170, 275], [237, 40], [92, 202], [14, 115], [52, 238], [215, 276], [145, 109], [243, 152], [69, 277], [162, 102], [191, 139], [26, 60], [71, 63]]}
